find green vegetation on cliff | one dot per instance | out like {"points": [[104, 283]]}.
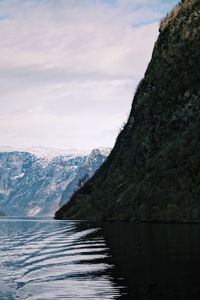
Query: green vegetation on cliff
{"points": [[153, 172]]}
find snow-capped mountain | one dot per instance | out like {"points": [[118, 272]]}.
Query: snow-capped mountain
{"points": [[49, 153], [86, 170], [52, 152], [32, 182]]}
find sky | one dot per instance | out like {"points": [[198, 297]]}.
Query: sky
{"points": [[69, 68]]}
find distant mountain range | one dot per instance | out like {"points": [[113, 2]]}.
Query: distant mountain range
{"points": [[49, 153], [37, 181]]}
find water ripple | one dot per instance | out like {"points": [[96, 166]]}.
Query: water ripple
{"points": [[53, 260]]}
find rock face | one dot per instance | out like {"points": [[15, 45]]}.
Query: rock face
{"points": [[153, 172], [32, 185]]}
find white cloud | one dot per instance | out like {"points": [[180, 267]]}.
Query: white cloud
{"points": [[68, 69]]}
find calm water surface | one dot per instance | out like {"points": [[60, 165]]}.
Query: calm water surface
{"points": [[48, 259]]}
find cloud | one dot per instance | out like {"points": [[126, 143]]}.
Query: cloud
{"points": [[68, 69]]}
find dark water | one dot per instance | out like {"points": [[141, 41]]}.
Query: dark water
{"points": [[47, 259]]}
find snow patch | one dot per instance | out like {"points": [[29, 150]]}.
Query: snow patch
{"points": [[32, 212], [104, 151], [51, 153], [18, 176], [5, 192]]}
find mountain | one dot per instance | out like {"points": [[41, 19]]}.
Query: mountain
{"points": [[32, 183], [49, 153], [86, 170], [153, 172]]}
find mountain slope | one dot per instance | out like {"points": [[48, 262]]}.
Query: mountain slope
{"points": [[32, 185], [153, 172], [86, 171]]}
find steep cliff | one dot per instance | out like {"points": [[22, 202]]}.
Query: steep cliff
{"points": [[153, 172]]}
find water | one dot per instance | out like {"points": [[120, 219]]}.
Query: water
{"points": [[48, 259]]}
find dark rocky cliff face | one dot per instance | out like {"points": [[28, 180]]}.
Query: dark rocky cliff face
{"points": [[153, 172]]}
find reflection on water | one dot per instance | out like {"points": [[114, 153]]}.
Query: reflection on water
{"points": [[158, 261], [54, 260], [47, 259]]}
